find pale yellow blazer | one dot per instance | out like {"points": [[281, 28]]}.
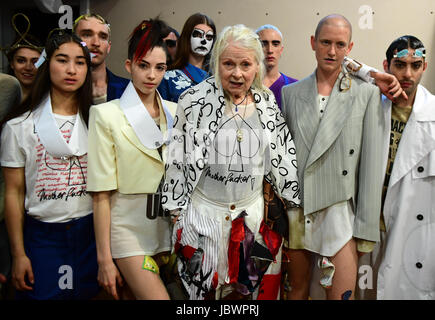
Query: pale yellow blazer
{"points": [[117, 160]]}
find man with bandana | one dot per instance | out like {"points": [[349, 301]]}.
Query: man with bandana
{"points": [[95, 31], [190, 65], [271, 38]]}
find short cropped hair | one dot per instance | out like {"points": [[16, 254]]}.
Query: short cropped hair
{"points": [[269, 26], [324, 21], [91, 15]]}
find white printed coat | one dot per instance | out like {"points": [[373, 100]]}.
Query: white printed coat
{"points": [[199, 112]]}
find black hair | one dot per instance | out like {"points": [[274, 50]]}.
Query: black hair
{"points": [[146, 36], [403, 42], [42, 85], [175, 32]]}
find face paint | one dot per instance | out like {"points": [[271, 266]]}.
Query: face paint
{"points": [[201, 42]]}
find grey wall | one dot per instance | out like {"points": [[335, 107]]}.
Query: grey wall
{"points": [[296, 19], [375, 24]]}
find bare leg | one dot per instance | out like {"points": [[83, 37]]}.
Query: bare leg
{"points": [[125, 292], [144, 284], [344, 280], [299, 272]]}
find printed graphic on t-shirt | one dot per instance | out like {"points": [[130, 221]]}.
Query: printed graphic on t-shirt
{"points": [[236, 152], [399, 118], [60, 179], [154, 207]]}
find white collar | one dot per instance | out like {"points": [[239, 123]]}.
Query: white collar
{"points": [[141, 121], [51, 137]]}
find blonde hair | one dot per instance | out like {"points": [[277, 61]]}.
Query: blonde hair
{"points": [[243, 37]]}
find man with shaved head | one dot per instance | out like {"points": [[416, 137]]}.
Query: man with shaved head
{"points": [[332, 20], [336, 121], [271, 39]]}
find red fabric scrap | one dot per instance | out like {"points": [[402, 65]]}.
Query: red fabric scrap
{"points": [[271, 238], [236, 237], [269, 287]]}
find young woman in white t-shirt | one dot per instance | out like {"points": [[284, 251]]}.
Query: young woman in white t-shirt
{"points": [[44, 159]]}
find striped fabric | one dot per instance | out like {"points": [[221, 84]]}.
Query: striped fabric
{"points": [[206, 225], [340, 156]]}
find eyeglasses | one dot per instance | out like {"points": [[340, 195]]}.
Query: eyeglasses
{"points": [[171, 43], [345, 83]]}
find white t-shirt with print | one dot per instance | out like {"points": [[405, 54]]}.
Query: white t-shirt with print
{"points": [[55, 188], [235, 168]]}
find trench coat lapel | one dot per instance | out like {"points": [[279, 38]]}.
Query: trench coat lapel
{"points": [[416, 142]]}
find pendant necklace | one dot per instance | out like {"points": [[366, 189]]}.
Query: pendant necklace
{"points": [[239, 132], [236, 105]]}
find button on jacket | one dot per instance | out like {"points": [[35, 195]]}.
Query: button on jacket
{"points": [[340, 155], [407, 270]]}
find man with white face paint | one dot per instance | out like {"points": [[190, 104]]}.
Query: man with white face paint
{"points": [[190, 65]]}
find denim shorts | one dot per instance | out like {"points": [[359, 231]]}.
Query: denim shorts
{"points": [[63, 258]]}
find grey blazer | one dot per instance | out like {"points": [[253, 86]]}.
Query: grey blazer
{"points": [[340, 155]]}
